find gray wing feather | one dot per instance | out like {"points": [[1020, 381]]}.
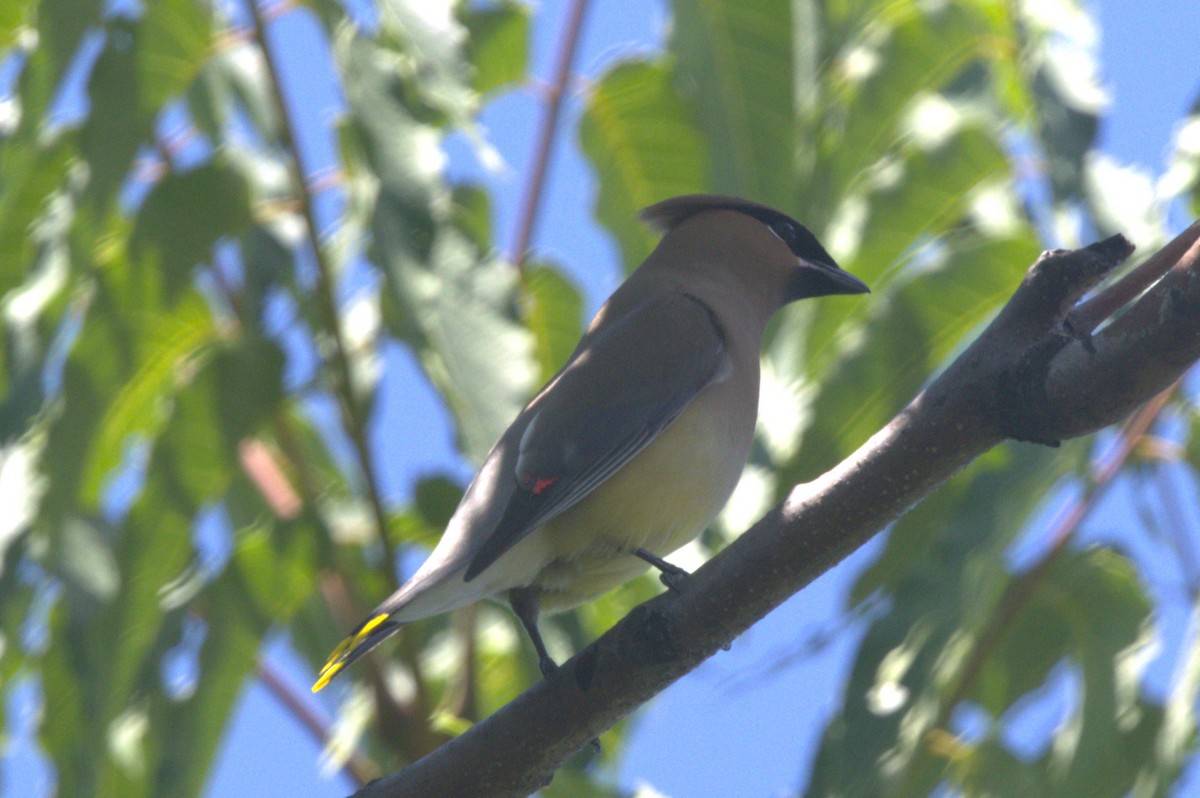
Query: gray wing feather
{"points": [[611, 401]]}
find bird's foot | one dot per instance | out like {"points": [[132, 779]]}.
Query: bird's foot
{"points": [[669, 574], [547, 666]]}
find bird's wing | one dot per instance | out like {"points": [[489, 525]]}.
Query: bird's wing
{"points": [[615, 396]]}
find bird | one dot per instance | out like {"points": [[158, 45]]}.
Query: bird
{"points": [[635, 445]]}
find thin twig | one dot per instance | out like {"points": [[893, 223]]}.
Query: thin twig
{"points": [[545, 143], [352, 410], [359, 767], [464, 692]]}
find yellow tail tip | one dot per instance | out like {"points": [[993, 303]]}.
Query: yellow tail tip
{"points": [[326, 675], [337, 658]]}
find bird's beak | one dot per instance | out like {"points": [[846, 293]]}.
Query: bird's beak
{"points": [[813, 278]]}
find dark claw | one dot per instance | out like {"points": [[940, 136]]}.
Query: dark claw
{"points": [[670, 575]]}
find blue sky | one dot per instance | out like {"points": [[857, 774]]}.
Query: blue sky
{"points": [[705, 735]]}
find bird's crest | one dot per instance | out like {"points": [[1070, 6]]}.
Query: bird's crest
{"points": [[665, 215]]}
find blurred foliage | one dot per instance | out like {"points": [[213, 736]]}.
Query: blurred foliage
{"points": [[171, 498]]}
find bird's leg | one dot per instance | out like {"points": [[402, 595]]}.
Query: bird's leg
{"points": [[671, 575], [524, 604]]}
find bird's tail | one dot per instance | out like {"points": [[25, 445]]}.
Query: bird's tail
{"points": [[369, 634]]}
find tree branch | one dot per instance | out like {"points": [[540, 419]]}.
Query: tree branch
{"points": [[553, 96], [1024, 377]]}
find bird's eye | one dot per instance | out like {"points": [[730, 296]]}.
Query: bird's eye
{"points": [[785, 231]]}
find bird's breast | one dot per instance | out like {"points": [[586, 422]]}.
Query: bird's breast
{"points": [[660, 500]]}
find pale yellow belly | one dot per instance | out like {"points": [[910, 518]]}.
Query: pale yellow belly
{"points": [[660, 500]]}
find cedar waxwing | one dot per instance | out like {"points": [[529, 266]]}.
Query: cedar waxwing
{"points": [[631, 450]]}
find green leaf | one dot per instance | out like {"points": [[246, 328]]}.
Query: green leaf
{"points": [[907, 51], [184, 757], [447, 297], [570, 783], [30, 174], [472, 215], [497, 45], [458, 315], [272, 571], [116, 125], [169, 228], [554, 314], [124, 305], [61, 28], [940, 575], [908, 333], [431, 41], [81, 555], [436, 498], [173, 44], [13, 17], [992, 769], [266, 262], [929, 189], [1099, 595], [234, 394], [975, 515], [99, 655], [643, 147], [109, 647], [734, 68], [16, 603], [168, 345], [142, 66]]}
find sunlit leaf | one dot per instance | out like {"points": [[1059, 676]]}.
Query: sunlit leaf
{"points": [[30, 176], [908, 332], [170, 342], [554, 313], [173, 43], [13, 17], [907, 50], [1177, 736], [497, 45], [432, 41], [643, 147], [734, 68], [458, 315]]}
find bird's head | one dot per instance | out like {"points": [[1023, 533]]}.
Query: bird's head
{"points": [[773, 254]]}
